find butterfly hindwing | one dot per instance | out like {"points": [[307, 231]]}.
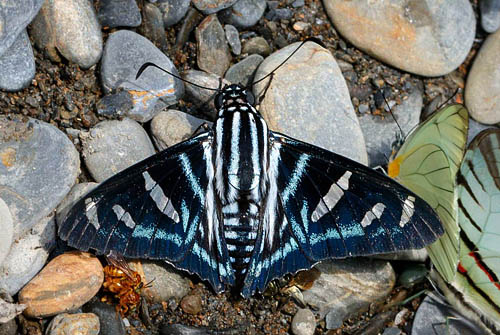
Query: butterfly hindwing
{"points": [[157, 209], [331, 207]]}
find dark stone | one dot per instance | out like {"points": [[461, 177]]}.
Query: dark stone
{"points": [[118, 13]]}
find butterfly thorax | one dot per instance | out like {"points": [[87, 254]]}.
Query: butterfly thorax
{"points": [[241, 156]]}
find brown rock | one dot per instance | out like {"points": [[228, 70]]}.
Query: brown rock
{"points": [[191, 304], [66, 283]]}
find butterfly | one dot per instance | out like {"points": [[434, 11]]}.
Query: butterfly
{"points": [[478, 186], [240, 205], [427, 164]]}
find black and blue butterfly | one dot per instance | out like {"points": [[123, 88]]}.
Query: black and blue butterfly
{"points": [[241, 205]]}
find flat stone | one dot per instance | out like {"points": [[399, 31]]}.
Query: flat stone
{"points": [[69, 28], [125, 52], [303, 322], [380, 132], [28, 255], [65, 284], [17, 64], [256, 45], [243, 71], [490, 15], [152, 25], [173, 10], [200, 96], [78, 191], [482, 89], [121, 13], [38, 167], [80, 323], [117, 104], [111, 323], [233, 38], [172, 127], [212, 6], [346, 287], [111, 146], [309, 100], [424, 37], [16, 15], [245, 13], [7, 229], [213, 51]]}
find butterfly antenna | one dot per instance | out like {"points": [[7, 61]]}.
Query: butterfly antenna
{"points": [[148, 64], [393, 116], [449, 99]]}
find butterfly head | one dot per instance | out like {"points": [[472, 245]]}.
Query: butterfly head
{"points": [[233, 95]]}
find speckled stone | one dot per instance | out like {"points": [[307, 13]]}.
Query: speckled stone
{"points": [[213, 51], [78, 324], [303, 322]]}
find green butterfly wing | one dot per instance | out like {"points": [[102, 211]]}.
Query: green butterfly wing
{"points": [[478, 188], [427, 164]]}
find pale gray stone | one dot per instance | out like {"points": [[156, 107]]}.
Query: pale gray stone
{"points": [[243, 71], [168, 282], [490, 15], [308, 99], [212, 6], [111, 146], [17, 64], [173, 10], [233, 38], [245, 13], [213, 52], [303, 322], [79, 323], [7, 229]]}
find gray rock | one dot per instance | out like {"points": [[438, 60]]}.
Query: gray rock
{"points": [[475, 128], [172, 126], [117, 104], [152, 25], [256, 45], [28, 255], [16, 15], [9, 328], [309, 100], [212, 6], [347, 287], [490, 15], [429, 38], [173, 10], [303, 322], [418, 255], [118, 13], [79, 323], [244, 13], [8, 311], [111, 146], [243, 71], [482, 90], [199, 95], [277, 14], [69, 28], [110, 322], [233, 38], [7, 229], [213, 51], [17, 64], [380, 133], [125, 52], [168, 282], [73, 196], [38, 167]]}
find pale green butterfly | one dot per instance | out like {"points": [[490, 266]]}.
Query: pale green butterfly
{"points": [[478, 187], [427, 164]]}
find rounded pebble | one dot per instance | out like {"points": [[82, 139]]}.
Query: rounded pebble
{"points": [[482, 90], [212, 6], [64, 284], [213, 51], [243, 72], [17, 64], [256, 45], [172, 127], [7, 229], [245, 13], [309, 100], [69, 28], [173, 10], [123, 13], [28, 255], [429, 38], [346, 287], [413, 274], [111, 146], [490, 15], [110, 322], [380, 133], [152, 26], [16, 15], [125, 52], [233, 38], [38, 167], [69, 324], [303, 322], [191, 304]]}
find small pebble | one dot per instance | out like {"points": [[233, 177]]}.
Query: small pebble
{"points": [[301, 26], [173, 10], [212, 6], [244, 13], [111, 146], [413, 274], [70, 324], [110, 321], [64, 284], [256, 45], [304, 322], [117, 104], [490, 15], [233, 38], [243, 72], [213, 52], [191, 304], [17, 64], [121, 13], [152, 25]]}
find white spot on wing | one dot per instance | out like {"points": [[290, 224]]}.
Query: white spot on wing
{"points": [[123, 216], [343, 181], [375, 212], [161, 200], [91, 213], [408, 210]]}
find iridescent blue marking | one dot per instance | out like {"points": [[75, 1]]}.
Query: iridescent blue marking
{"points": [[185, 215], [298, 171], [143, 231], [304, 215], [202, 254], [352, 230], [297, 230], [188, 171], [330, 234], [192, 229]]}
